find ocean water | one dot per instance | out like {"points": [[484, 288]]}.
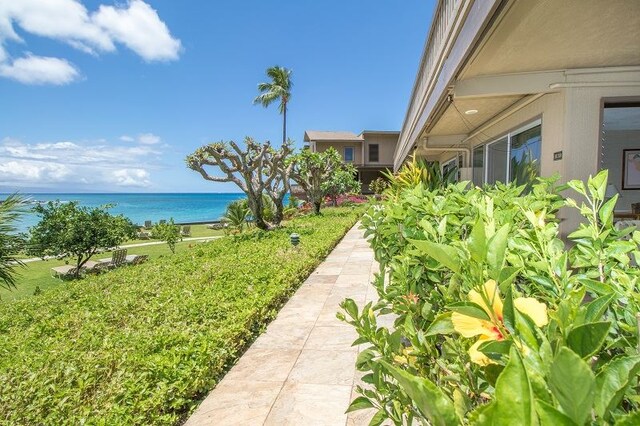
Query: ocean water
{"points": [[140, 207]]}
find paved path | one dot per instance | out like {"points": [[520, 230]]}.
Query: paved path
{"points": [[150, 243], [301, 370]]}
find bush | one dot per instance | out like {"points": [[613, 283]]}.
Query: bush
{"points": [[167, 232], [142, 345], [496, 322]]}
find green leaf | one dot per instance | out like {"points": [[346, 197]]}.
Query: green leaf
{"points": [[514, 395], [578, 186], [631, 419], [428, 397], [613, 381], [441, 325], [470, 309], [360, 403], [573, 384], [550, 416], [508, 313], [364, 357], [596, 309], [496, 248], [446, 255], [477, 241], [506, 277], [586, 339], [482, 415], [598, 185], [495, 349], [350, 307], [606, 211]]}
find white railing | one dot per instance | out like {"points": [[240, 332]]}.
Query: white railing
{"points": [[443, 23]]}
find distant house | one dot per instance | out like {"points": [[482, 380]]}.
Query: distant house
{"points": [[553, 85], [371, 152]]}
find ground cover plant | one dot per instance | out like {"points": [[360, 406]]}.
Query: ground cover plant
{"points": [[496, 321], [142, 345]]}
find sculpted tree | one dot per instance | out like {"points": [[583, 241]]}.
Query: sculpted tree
{"points": [[312, 169], [258, 169]]}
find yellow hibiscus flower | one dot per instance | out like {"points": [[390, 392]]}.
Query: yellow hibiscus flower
{"points": [[493, 329]]}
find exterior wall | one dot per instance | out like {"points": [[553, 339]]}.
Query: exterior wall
{"points": [[339, 146], [614, 143], [386, 147]]}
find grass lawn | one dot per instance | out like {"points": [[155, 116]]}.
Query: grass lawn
{"points": [[38, 274], [144, 344]]}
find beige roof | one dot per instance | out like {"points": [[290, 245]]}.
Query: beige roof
{"points": [[320, 135]]}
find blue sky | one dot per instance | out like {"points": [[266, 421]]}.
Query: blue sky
{"points": [[112, 95]]}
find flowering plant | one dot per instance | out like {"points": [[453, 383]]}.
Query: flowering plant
{"points": [[485, 317]]}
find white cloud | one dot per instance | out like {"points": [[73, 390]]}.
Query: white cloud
{"points": [[148, 139], [98, 164], [140, 29], [133, 24], [39, 70], [131, 177], [143, 138], [32, 171]]}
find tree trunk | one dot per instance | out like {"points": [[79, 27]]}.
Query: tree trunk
{"points": [[279, 213], [257, 208], [316, 207], [284, 125]]}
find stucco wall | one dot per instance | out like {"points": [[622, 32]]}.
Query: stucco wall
{"points": [[339, 146], [386, 147]]}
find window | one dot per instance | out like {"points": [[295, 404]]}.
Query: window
{"points": [[348, 154], [524, 164], [374, 155], [451, 165], [497, 161], [478, 166], [512, 158]]}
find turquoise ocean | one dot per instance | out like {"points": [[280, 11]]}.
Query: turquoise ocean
{"points": [[183, 208]]}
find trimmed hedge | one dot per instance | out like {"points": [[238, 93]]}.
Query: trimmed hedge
{"points": [[142, 345]]}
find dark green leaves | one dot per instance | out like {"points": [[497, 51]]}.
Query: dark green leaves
{"points": [[446, 255], [470, 309], [613, 381], [586, 339], [573, 385], [514, 403], [429, 399]]}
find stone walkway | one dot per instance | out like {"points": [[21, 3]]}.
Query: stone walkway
{"points": [[301, 370]]}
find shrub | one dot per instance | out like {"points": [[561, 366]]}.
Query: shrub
{"points": [[77, 232], [378, 185], [142, 345], [167, 232], [496, 322]]}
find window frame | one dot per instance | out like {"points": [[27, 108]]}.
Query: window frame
{"points": [[377, 160], [515, 131], [353, 154]]}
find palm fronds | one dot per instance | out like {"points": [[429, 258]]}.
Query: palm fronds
{"points": [[10, 211]]}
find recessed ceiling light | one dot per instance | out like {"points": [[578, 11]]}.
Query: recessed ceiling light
{"points": [[471, 111]]}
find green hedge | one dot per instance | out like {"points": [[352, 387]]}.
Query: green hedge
{"points": [[142, 345]]}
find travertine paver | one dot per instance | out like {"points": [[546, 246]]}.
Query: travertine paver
{"points": [[301, 371]]}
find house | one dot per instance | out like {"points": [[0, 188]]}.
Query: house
{"points": [[508, 89], [371, 152]]}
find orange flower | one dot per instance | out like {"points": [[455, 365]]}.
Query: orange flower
{"points": [[493, 329]]}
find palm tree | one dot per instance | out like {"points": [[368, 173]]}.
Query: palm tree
{"points": [[10, 210], [278, 89]]}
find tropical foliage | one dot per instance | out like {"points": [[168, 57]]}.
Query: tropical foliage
{"points": [[342, 181], [68, 230], [378, 185], [311, 170], [419, 170], [167, 232], [144, 345], [258, 170], [10, 210], [236, 216], [278, 89], [486, 318]]}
